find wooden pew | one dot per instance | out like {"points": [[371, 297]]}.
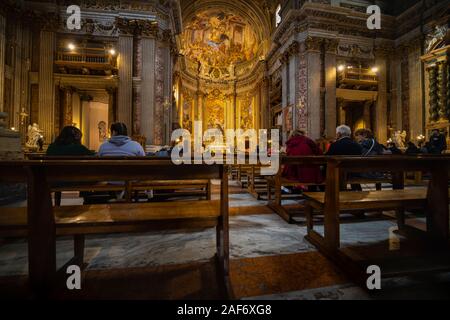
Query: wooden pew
{"points": [[277, 181], [131, 189], [433, 200], [42, 222], [243, 175], [188, 187], [257, 183]]}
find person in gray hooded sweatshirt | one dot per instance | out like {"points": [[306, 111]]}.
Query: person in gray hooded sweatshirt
{"points": [[120, 145]]}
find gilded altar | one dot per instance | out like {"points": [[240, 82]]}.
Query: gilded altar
{"points": [[220, 71]]}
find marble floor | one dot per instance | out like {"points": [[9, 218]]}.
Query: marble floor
{"points": [[270, 259]]}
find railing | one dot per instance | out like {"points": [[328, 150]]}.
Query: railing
{"points": [[358, 74], [90, 57]]}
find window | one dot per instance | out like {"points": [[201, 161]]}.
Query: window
{"points": [[278, 16]]}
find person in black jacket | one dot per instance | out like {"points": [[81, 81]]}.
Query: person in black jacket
{"points": [[344, 145], [366, 139], [437, 143]]}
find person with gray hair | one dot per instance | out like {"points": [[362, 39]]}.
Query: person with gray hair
{"points": [[344, 145], [343, 131]]}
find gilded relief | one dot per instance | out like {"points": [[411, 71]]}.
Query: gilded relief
{"points": [[217, 41], [247, 113], [215, 110]]}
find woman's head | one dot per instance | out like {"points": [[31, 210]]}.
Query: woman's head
{"points": [[69, 135], [297, 133], [119, 129], [363, 134]]}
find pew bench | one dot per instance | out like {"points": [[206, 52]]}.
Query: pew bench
{"points": [[418, 245], [192, 187], [397, 200], [276, 182], [40, 222]]}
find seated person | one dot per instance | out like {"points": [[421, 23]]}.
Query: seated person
{"points": [[370, 147], [366, 139], [300, 145], [437, 143], [68, 143], [412, 149], [120, 144], [344, 145]]}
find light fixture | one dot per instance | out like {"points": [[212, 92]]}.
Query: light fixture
{"points": [[341, 67], [112, 51], [71, 46], [374, 69], [350, 67], [13, 129]]}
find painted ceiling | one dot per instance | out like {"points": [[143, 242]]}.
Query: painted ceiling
{"points": [[218, 40]]}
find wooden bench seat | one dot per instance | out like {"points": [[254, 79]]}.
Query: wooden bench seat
{"points": [[276, 182], [72, 220], [95, 187], [187, 187], [41, 221], [432, 200], [363, 200]]}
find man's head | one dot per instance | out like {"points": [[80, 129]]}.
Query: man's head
{"points": [[343, 131], [119, 129]]}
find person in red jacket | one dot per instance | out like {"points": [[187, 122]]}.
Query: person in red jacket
{"points": [[300, 145]]}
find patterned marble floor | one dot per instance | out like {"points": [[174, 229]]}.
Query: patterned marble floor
{"points": [[270, 258]]}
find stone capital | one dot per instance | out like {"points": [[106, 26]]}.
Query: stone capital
{"points": [[331, 45], [313, 44]]}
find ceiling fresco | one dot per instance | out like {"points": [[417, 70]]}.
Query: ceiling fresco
{"points": [[218, 41]]}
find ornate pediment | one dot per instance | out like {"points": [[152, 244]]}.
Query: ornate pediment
{"points": [[439, 37]]}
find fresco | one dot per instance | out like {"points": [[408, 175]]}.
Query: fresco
{"points": [[217, 41]]}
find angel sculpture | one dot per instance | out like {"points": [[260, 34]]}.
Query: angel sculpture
{"points": [[35, 139], [400, 139]]}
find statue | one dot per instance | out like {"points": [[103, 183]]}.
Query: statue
{"points": [[35, 139], [102, 131], [400, 139]]}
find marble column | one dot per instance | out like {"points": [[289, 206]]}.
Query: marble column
{"points": [[285, 93], [235, 123], [125, 90], [25, 104], [148, 87], [168, 93], [67, 106], [330, 88], [314, 88], [111, 105], [257, 123], [265, 99], [381, 106], [340, 112], [366, 114], [2, 60], [85, 113], [137, 73], [17, 83], [415, 86], [405, 90], [46, 114]]}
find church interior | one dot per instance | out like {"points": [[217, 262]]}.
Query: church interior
{"points": [[118, 78]]}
